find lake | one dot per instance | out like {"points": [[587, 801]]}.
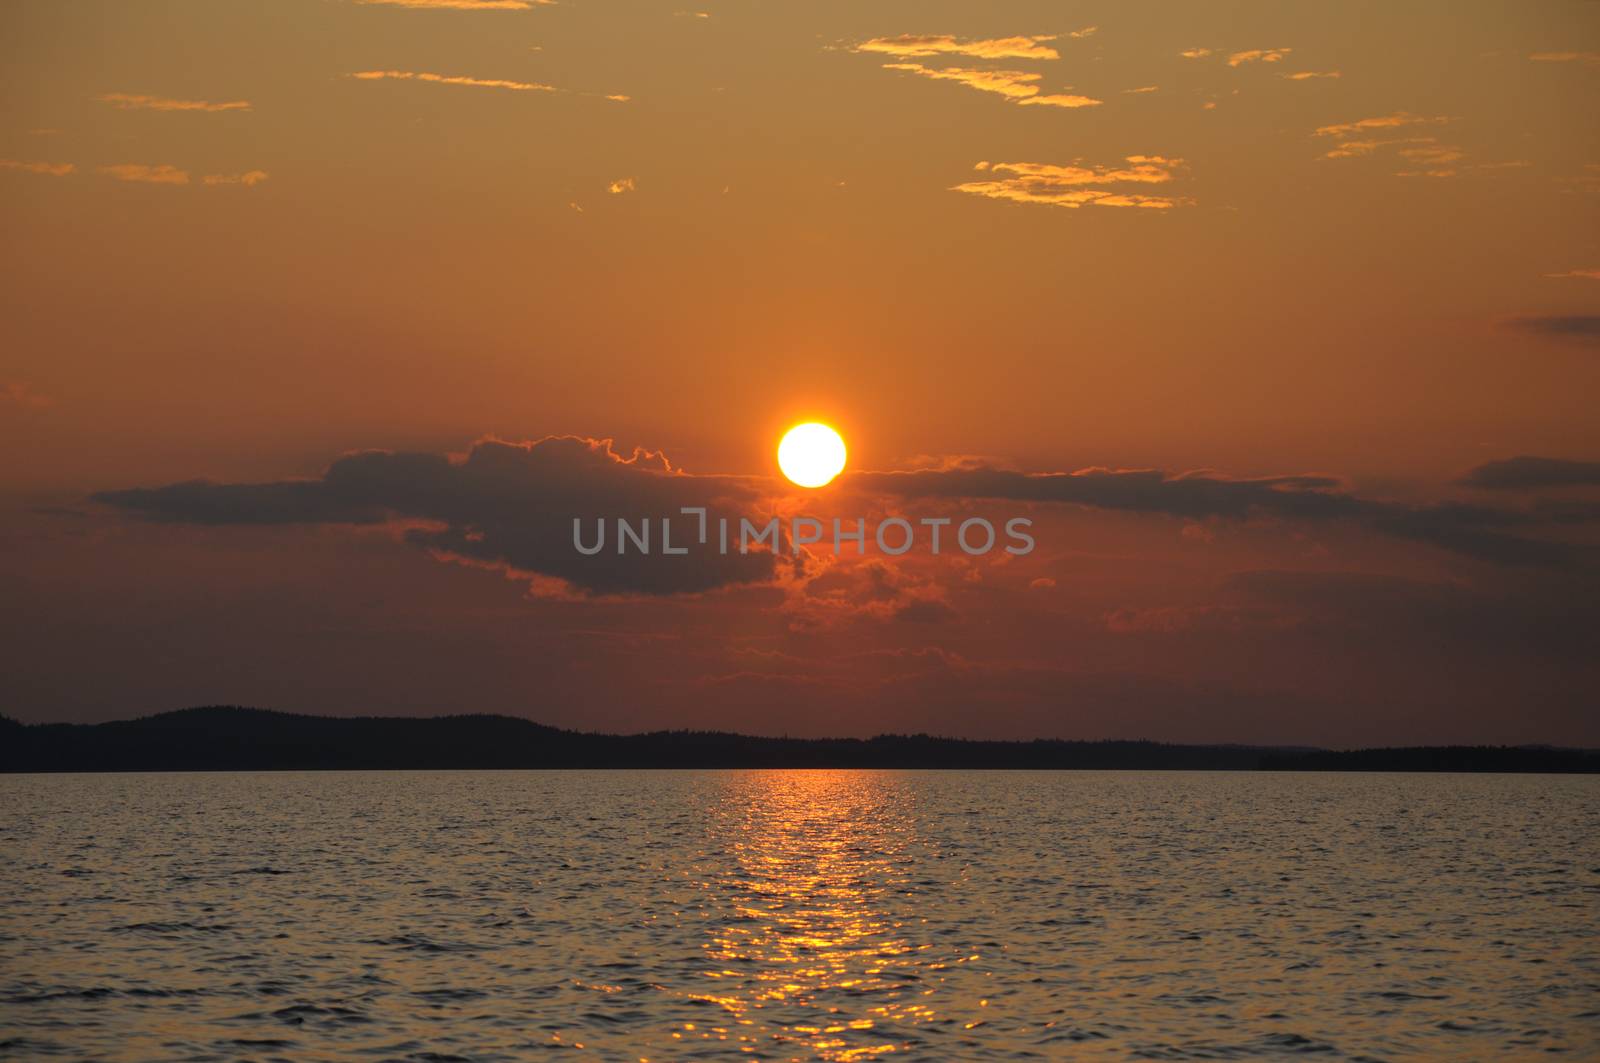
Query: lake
{"points": [[775, 915]]}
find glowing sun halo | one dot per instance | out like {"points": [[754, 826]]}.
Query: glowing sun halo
{"points": [[811, 454]]}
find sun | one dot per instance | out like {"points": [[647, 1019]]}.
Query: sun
{"points": [[811, 454]]}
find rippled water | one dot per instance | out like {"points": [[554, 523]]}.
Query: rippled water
{"points": [[798, 915]]}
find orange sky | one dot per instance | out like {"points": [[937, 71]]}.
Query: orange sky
{"points": [[1357, 240]]}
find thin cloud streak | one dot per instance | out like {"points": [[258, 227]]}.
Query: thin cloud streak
{"points": [[452, 79], [49, 169], [1262, 55], [1075, 185], [142, 174], [249, 179], [1581, 327], [1017, 86], [1527, 472], [1586, 58], [1479, 532], [462, 5], [1388, 121], [124, 101], [913, 46]]}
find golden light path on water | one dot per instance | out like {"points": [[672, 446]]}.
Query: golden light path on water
{"points": [[814, 959], [789, 915]]}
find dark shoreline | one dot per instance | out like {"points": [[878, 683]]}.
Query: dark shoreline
{"points": [[239, 739]]}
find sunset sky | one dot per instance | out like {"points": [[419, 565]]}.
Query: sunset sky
{"points": [[1307, 296]]}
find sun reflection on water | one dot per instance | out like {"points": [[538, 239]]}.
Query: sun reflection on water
{"points": [[810, 957]]}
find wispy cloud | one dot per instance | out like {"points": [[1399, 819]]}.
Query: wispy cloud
{"points": [[124, 101], [1309, 75], [479, 83], [21, 394], [1430, 157], [154, 175], [1249, 55], [462, 5], [1059, 99], [1582, 327], [620, 186], [51, 169], [1526, 472], [1141, 89], [1018, 86], [249, 178], [1586, 58], [453, 79], [1077, 185], [911, 45], [1585, 274], [1258, 55], [1351, 149], [1388, 121]]}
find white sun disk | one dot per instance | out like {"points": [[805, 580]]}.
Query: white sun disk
{"points": [[811, 454]]}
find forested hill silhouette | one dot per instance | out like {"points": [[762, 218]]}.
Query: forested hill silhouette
{"points": [[239, 739]]}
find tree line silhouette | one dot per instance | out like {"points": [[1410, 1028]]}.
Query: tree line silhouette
{"points": [[226, 738]]}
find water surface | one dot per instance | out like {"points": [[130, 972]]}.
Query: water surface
{"points": [[799, 915]]}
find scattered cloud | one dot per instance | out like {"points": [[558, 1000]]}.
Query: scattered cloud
{"points": [[1586, 274], [910, 45], [1142, 88], [1087, 31], [1526, 472], [138, 172], [509, 507], [1195, 53], [1261, 55], [1429, 157], [462, 5], [51, 169], [444, 79], [620, 186], [1310, 75], [1560, 326], [1075, 185], [249, 178], [1586, 58], [1017, 86], [1478, 532], [128, 102], [505, 506]]}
